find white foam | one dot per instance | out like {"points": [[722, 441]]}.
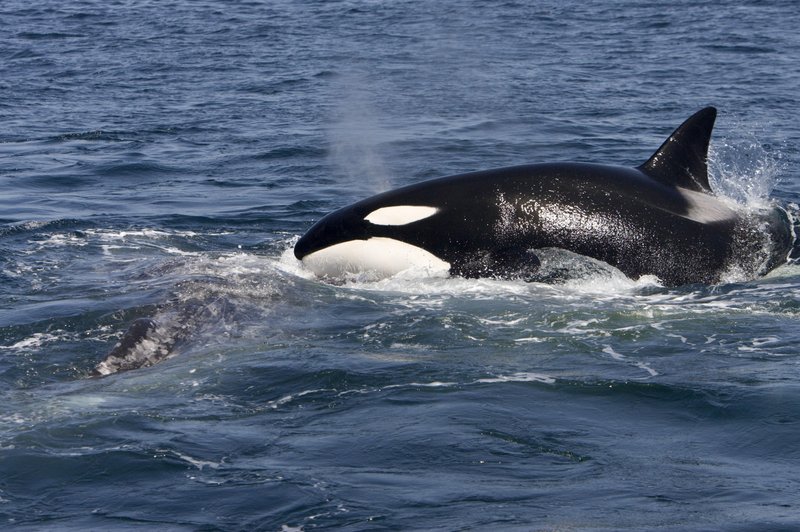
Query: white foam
{"points": [[287, 262], [113, 235], [611, 285], [530, 339], [196, 462], [291, 397], [35, 341], [523, 376], [618, 356], [647, 368], [610, 351], [433, 384], [502, 323], [683, 339], [743, 169]]}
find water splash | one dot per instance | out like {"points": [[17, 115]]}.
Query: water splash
{"points": [[746, 168]]}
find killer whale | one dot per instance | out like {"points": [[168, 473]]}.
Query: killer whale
{"points": [[660, 218]]}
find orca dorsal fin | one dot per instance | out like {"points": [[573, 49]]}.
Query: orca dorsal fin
{"points": [[682, 160]]}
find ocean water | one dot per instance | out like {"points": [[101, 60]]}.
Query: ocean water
{"points": [[159, 159]]}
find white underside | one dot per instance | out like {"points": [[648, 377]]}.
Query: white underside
{"points": [[383, 257]]}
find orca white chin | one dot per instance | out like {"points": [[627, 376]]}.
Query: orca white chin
{"points": [[380, 256]]}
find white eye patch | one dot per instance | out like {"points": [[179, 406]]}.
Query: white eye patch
{"points": [[400, 214]]}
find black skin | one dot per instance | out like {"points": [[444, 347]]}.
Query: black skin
{"points": [[490, 223]]}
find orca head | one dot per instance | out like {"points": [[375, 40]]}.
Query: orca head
{"points": [[367, 237]]}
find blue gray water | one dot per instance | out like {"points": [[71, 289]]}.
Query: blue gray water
{"points": [[158, 159]]}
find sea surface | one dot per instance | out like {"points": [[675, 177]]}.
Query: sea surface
{"points": [[159, 159]]}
